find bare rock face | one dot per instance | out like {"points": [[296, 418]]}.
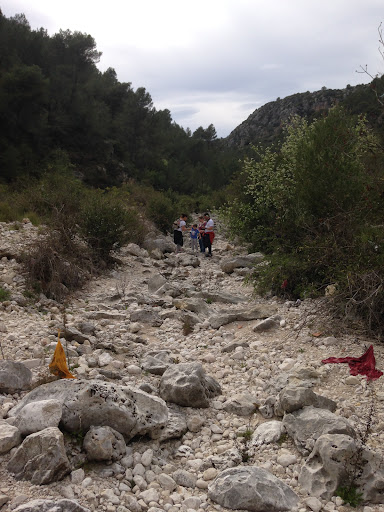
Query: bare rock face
{"points": [[128, 410], [14, 377], [104, 444], [251, 488], [188, 385], [51, 506], [41, 458]]}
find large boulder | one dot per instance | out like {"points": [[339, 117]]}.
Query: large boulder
{"points": [[334, 461], [306, 425], [188, 385], [161, 242], [228, 265], [51, 506], [14, 377], [41, 458], [251, 488], [128, 410]]}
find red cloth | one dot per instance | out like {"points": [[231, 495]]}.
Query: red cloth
{"points": [[211, 235], [363, 365]]}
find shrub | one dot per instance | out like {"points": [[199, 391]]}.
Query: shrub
{"points": [[106, 224], [56, 269], [161, 211], [312, 203]]}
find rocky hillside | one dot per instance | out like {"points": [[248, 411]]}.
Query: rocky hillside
{"points": [[264, 125], [191, 394]]}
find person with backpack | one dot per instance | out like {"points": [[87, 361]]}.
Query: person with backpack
{"points": [[180, 225]]}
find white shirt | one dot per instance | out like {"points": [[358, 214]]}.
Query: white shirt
{"points": [[209, 225], [181, 224]]}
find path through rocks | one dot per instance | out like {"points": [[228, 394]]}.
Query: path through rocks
{"points": [[190, 392]]}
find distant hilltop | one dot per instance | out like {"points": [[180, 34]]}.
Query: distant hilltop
{"points": [[265, 124]]}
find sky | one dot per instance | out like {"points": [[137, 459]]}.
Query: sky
{"points": [[216, 61]]}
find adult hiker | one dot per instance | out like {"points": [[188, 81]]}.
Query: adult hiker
{"points": [[209, 234], [201, 228], [179, 226]]}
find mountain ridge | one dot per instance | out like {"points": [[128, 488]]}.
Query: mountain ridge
{"points": [[265, 124]]}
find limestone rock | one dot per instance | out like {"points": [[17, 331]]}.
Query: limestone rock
{"points": [[266, 433], [41, 458], [14, 377], [241, 404], [228, 265], [225, 317], [188, 385], [128, 410], [156, 362], [51, 506], [38, 416], [334, 458], [175, 428], [306, 425], [273, 322], [251, 488], [10, 436], [146, 315], [104, 444], [293, 398]]}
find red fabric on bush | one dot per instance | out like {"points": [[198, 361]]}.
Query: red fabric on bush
{"points": [[363, 365]]}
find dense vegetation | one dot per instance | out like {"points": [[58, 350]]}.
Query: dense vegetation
{"points": [[314, 203], [53, 98]]}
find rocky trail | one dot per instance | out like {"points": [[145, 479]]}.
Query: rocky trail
{"points": [[191, 394]]}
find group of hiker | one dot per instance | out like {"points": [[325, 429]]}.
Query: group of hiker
{"points": [[201, 235]]}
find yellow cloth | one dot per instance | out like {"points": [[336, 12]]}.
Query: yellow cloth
{"points": [[58, 366]]}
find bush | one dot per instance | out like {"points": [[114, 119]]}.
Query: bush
{"points": [[106, 224], [312, 204], [161, 211], [57, 269]]}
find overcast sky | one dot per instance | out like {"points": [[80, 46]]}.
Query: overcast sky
{"points": [[216, 61]]}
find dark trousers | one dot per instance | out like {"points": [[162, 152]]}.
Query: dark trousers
{"points": [[201, 244], [207, 243]]}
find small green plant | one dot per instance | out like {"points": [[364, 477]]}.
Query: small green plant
{"points": [[208, 300], [243, 443], [283, 438], [4, 294], [350, 495], [247, 434]]}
